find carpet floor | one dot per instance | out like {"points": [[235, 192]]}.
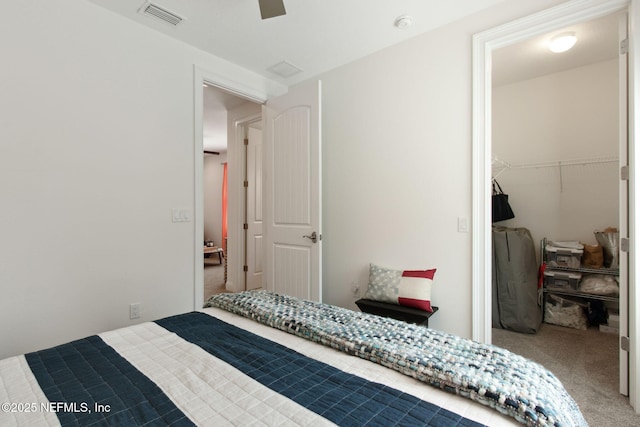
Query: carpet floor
{"points": [[586, 361], [213, 277]]}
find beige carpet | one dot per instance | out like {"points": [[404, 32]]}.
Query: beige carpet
{"points": [[586, 361], [213, 277]]}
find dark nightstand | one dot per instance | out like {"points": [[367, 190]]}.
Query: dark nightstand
{"points": [[395, 311]]}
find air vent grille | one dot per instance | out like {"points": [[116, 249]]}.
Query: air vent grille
{"points": [[285, 69], [157, 12]]}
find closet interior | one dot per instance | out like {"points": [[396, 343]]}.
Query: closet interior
{"points": [[556, 154]]}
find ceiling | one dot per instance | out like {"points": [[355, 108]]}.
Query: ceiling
{"points": [[597, 41], [214, 117], [318, 35], [314, 36]]}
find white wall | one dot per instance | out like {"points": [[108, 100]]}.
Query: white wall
{"points": [[570, 115], [96, 148], [397, 164], [213, 170]]}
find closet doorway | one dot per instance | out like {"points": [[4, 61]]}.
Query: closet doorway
{"points": [[551, 20], [556, 152]]}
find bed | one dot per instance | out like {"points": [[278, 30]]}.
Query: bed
{"points": [[258, 358]]}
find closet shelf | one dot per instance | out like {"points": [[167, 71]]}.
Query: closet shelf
{"points": [[562, 163], [575, 292], [499, 166], [502, 164], [607, 271]]}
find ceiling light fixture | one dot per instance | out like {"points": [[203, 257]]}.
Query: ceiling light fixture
{"points": [[403, 22], [562, 42]]}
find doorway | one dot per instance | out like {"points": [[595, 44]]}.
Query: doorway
{"points": [[231, 186], [257, 96], [484, 44], [288, 116], [556, 143], [556, 146]]}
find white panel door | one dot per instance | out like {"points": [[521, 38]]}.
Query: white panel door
{"points": [[292, 193], [255, 242]]}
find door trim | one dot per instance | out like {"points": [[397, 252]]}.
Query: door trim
{"points": [[200, 77], [237, 276], [483, 44], [251, 187]]}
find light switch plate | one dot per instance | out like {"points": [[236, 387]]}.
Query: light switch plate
{"points": [[463, 224], [180, 215]]}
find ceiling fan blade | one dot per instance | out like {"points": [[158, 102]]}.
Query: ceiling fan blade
{"points": [[271, 8]]}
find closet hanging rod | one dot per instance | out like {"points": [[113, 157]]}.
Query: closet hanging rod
{"points": [[574, 162], [562, 163]]}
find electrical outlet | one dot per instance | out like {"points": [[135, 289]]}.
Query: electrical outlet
{"points": [[355, 290], [134, 310]]}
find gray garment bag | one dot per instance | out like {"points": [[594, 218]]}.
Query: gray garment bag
{"points": [[515, 294]]}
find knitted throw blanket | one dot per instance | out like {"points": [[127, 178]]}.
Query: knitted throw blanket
{"points": [[492, 376]]}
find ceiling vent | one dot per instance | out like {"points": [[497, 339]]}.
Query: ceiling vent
{"points": [[285, 69], [158, 12]]}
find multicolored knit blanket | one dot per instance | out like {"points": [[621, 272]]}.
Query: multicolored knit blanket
{"points": [[492, 376]]}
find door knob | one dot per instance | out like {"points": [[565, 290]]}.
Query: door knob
{"points": [[313, 237]]}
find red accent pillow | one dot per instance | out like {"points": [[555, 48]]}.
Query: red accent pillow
{"points": [[414, 289], [411, 288]]}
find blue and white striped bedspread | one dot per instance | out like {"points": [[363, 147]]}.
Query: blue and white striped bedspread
{"points": [[497, 378], [195, 369]]}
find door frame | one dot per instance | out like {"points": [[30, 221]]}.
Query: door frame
{"points": [[254, 94], [483, 45], [236, 153], [251, 186]]}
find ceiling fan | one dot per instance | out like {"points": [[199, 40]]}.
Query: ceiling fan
{"points": [[271, 8]]}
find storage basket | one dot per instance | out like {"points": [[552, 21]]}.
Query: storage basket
{"points": [[561, 279], [564, 254]]}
